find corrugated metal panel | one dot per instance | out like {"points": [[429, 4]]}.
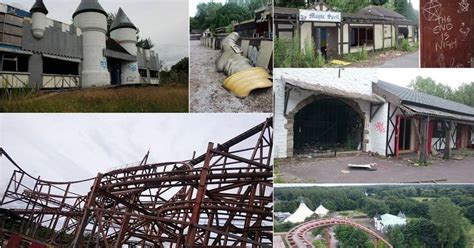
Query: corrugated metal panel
{"points": [[417, 110], [447, 33], [61, 58]]}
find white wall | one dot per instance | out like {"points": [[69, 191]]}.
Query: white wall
{"points": [[378, 131]]}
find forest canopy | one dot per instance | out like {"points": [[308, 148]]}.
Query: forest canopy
{"points": [[214, 15]]}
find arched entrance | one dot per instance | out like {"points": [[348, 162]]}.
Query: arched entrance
{"points": [[322, 123]]}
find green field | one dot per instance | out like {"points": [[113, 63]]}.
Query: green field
{"points": [[162, 98]]}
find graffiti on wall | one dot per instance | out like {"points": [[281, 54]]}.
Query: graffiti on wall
{"points": [[380, 127], [447, 25]]}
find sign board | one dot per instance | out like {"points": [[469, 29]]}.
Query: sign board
{"points": [[308, 15]]}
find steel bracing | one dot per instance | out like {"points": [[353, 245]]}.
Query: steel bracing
{"points": [[221, 198]]}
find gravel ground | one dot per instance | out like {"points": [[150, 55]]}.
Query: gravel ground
{"points": [[207, 93], [335, 170]]}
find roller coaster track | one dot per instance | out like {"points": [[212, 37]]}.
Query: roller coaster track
{"points": [[220, 198], [297, 236]]}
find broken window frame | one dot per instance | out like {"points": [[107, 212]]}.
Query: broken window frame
{"points": [[357, 41]]}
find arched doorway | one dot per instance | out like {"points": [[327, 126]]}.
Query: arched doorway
{"points": [[323, 123]]}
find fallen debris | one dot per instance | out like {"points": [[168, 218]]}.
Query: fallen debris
{"points": [[370, 167]]}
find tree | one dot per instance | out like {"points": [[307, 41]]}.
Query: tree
{"points": [[396, 236], [230, 12], [448, 219], [373, 207], [350, 236], [421, 231], [465, 94], [429, 86]]}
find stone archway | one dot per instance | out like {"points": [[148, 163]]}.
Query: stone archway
{"points": [[310, 100]]}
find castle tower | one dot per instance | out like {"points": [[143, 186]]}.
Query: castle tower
{"points": [[91, 18], [124, 32], [39, 13]]}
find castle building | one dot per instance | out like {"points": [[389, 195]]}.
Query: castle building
{"points": [[39, 52]]}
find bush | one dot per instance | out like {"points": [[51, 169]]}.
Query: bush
{"points": [[358, 56], [405, 46], [288, 53]]}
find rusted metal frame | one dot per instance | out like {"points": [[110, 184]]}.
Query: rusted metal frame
{"points": [[88, 207], [244, 160], [233, 236], [196, 211], [29, 222], [59, 209]]}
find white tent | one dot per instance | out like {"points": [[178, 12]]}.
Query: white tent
{"points": [[321, 211], [300, 214]]}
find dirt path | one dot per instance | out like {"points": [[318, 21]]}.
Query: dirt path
{"points": [[207, 93]]}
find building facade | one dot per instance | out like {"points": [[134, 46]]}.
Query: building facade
{"points": [[39, 52], [322, 112], [335, 34]]}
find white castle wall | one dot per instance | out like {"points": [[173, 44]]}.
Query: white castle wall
{"points": [[127, 38], [94, 67]]}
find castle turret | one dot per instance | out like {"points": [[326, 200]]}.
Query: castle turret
{"points": [[91, 18], [39, 13], [124, 32]]}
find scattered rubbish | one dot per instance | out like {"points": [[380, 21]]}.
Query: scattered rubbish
{"points": [[370, 166], [345, 172], [340, 62]]}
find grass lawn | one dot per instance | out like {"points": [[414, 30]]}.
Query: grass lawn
{"points": [[162, 98]]}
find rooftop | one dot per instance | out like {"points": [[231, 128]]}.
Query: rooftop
{"points": [[410, 96], [89, 6], [39, 7], [121, 21]]}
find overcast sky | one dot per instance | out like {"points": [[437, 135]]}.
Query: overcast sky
{"points": [[452, 77], [166, 22], [63, 147]]}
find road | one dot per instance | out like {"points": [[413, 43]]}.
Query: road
{"points": [[406, 61], [207, 93]]}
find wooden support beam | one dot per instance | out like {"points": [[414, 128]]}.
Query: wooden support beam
{"points": [[447, 147], [423, 154]]}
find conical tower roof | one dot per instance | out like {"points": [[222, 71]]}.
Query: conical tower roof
{"points": [[39, 7], [89, 6], [121, 21]]}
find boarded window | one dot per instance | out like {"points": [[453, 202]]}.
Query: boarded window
{"points": [[361, 36], [11, 29]]}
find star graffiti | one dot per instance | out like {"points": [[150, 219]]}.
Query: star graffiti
{"points": [[432, 10], [463, 6]]}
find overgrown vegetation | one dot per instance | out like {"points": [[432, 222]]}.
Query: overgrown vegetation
{"points": [[288, 53], [178, 73], [438, 216], [463, 94], [361, 55], [162, 98], [214, 15]]}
